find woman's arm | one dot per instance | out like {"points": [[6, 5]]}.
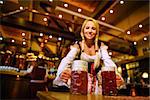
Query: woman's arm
{"points": [[108, 62], [105, 56], [64, 65]]}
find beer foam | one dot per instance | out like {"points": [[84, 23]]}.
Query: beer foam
{"points": [[79, 65]]}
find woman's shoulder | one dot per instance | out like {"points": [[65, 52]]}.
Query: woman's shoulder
{"points": [[76, 44], [101, 43]]}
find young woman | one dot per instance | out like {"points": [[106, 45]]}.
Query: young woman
{"points": [[88, 50]]}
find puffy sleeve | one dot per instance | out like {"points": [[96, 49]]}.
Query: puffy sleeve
{"points": [[106, 58], [108, 62], [65, 63]]}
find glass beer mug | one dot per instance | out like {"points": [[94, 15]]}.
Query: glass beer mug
{"points": [[79, 77], [109, 86]]}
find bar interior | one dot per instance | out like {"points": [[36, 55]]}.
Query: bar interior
{"points": [[35, 35]]}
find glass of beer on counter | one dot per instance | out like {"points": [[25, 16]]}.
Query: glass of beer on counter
{"points": [[109, 86], [79, 77]]}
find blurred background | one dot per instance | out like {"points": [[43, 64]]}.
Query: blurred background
{"points": [[43, 30]]}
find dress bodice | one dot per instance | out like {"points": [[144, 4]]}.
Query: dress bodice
{"points": [[87, 57]]}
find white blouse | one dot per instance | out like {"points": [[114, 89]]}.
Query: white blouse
{"points": [[67, 61]]}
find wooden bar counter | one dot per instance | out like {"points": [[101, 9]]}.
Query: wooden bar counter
{"points": [[42, 95]]}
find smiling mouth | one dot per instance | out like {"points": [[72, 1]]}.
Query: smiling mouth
{"points": [[90, 34]]}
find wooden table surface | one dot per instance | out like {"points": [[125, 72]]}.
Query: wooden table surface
{"points": [[43, 95]]}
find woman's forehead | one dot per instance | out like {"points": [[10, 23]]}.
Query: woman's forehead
{"points": [[91, 23]]}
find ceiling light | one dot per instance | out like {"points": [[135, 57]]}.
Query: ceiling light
{"points": [[23, 34], [145, 38], [79, 10], [134, 43], [128, 32], [121, 2], [1, 2], [24, 43], [50, 0], [45, 19], [60, 16], [59, 38], [21, 8], [103, 18], [12, 40], [41, 34], [140, 26], [86, 17], [65, 5], [110, 53], [111, 11], [1, 38], [50, 36]]}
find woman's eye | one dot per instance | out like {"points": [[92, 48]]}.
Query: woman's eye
{"points": [[93, 28], [87, 27]]}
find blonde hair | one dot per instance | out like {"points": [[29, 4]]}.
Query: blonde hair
{"points": [[97, 60]]}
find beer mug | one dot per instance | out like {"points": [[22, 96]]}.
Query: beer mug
{"points": [[109, 86], [79, 77]]}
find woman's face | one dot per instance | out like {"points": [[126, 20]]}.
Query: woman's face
{"points": [[89, 30]]}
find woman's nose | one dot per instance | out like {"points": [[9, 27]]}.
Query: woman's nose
{"points": [[90, 30]]}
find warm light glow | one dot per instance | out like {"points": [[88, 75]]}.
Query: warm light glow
{"points": [[59, 38], [103, 18], [140, 26], [23, 34], [119, 69], [111, 11], [128, 32], [121, 2], [18, 76], [41, 54], [145, 38], [21, 8], [60, 16], [135, 43], [127, 66], [70, 29], [65, 5], [79, 9], [128, 80], [145, 75], [24, 43], [1, 38], [45, 41], [47, 58], [23, 39], [110, 53], [41, 34], [1, 2], [50, 0], [50, 36], [42, 45], [45, 19], [12, 40]]}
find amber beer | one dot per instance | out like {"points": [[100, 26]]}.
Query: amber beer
{"points": [[79, 77], [109, 86]]}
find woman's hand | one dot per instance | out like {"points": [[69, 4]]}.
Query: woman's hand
{"points": [[119, 80], [65, 75]]}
